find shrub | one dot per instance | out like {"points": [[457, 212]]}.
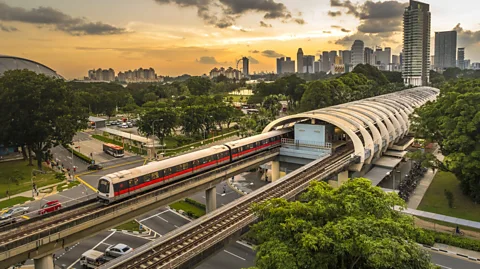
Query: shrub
{"points": [[449, 196], [195, 203], [60, 176], [448, 239], [78, 154]]}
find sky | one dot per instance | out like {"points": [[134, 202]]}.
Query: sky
{"points": [[193, 36]]}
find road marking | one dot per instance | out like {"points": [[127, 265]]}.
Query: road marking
{"points": [[245, 245], [175, 212], [234, 255], [203, 197], [25, 217], [145, 162], [69, 157], [443, 266], [71, 199], [101, 242], [163, 219], [153, 216], [86, 184], [137, 236], [175, 226], [111, 167]]}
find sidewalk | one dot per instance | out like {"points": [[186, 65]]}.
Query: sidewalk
{"points": [[425, 182]]}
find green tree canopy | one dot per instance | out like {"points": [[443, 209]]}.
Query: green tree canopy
{"points": [[38, 111], [454, 122], [161, 122], [354, 226], [199, 85]]}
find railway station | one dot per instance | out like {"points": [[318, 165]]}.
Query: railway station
{"points": [[365, 138]]}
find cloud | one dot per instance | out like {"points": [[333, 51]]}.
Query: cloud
{"points": [[334, 13], [263, 24], [253, 60], [230, 10], [254, 51], [345, 30], [336, 26], [7, 28], [207, 60], [466, 37], [368, 39], [271, 54], [60, 21], [327, 32]]}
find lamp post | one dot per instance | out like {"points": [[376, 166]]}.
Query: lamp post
{"points": [[153, 132]]}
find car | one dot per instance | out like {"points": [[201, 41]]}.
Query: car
{"points": [[95, 167], [129, 124], [118, 250], [9, 216], [113, 123], [124, 125], [50, 207]]}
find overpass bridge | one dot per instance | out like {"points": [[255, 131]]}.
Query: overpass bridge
{"points": [[368, 128]]}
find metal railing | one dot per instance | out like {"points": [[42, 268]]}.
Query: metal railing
{"points": [[307, 144]]}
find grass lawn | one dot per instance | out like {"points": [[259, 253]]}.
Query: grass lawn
{"points": [[195, 210], [435, 201], [7, 170], [237, 98], [13, 201], [132, 225], [68, 186]]}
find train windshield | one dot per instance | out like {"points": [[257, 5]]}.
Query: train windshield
{"points": [[103, 186]]}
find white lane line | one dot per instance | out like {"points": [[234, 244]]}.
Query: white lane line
{"points": [[71, 199], [245, 245], [175, 226], [156, 215], [138, 236], [203, 197], [75, 262], [163, 219], [175, 212], [234, 255], [443, 266]]}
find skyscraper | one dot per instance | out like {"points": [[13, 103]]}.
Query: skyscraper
{"points": [[461, 58], [445, 49], [246, 63], [308, 64], [357, 53], [416, 43], [369, 57], [288, 66], [347, 58], [279, 65], [300, 61], [325, 62]]}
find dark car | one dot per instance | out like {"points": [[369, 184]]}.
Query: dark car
{"points": [[95, 167]]}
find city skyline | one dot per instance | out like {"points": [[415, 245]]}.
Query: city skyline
{"points": [[72, 37]]}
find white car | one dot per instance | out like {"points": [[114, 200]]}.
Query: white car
{"points": [[118, 250], [10, 215], [124, 125]]}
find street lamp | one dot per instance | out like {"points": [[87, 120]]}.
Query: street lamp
{"points": [[153, 132]]}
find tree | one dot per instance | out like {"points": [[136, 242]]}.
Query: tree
{"points": [[372, 73], [160, 122], [272, 105], [427, 160], [192, 119], [199, 85], [354, 226], [454, 122], [38, 111], [14, 179]]}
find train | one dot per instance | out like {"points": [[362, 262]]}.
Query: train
{"points": [[120, 185]]}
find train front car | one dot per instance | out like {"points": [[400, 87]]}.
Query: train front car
{"points": [[251, 145], [105, 190]]}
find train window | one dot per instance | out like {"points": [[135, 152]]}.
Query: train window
{"points": [[130, 182], [104, 186], [136, 180]]}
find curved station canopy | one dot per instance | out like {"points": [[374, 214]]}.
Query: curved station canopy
{"points": [[372, 124]]}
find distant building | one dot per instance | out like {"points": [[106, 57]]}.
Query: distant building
{"points": [[308, 64], [383, 58], [369, 57], [467, 64], [230, 73], [288, 66], [280, 62], [396, 63], [317, 66], [461, 58], [416, 44], [475, 66], [325, 61], [332, 55], [357, 53], [101, 75], [246, 63], [139, 76], [445, 50], [300, 61], [346, 56]]}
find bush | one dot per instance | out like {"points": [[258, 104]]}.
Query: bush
{"points": [[78, 154], [448, 239], [195, 203], [449, 196], [60, 176]]}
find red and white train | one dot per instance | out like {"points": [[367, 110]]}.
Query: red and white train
{"points": [[119, 185]]}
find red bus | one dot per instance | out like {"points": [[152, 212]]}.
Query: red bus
{"points": [[114, 150]]}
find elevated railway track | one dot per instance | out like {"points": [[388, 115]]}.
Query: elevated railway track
{"points": [[188, 246]]}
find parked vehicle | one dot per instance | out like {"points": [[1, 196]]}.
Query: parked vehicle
{"points": [[93, 259], [95, 167], [124, 125], [129, 124], [50, 207], [11, 215], [118, 250]]}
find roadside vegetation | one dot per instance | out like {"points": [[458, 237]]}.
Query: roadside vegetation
{"points": [[191, 207], [14, 201], [132, 226]]}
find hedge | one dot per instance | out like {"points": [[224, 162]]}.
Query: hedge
{"points": [[428, 237], [78, 154], [195, 203]]}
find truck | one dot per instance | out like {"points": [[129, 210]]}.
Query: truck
{"points": [[93, 259]]}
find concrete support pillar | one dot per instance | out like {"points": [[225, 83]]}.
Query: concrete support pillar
{"points": [[275, 170], [342, 178], [211, 196], [44, 262]]}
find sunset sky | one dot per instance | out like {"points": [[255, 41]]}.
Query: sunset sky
{"points": [[193, 36]]}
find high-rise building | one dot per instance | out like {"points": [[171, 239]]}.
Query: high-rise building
{"points": [[332, 55], [308, 64], [288, 66], [416, 43], [461, 58], [279, 65], [300, 61], [347, 57], [369, 57], [357, 53], [445, 50], [325, 62], [467, 64], [246, 63], [475, 66], [317, 66]]}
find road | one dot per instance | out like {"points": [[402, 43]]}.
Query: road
{"points": [[446, 261]]}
